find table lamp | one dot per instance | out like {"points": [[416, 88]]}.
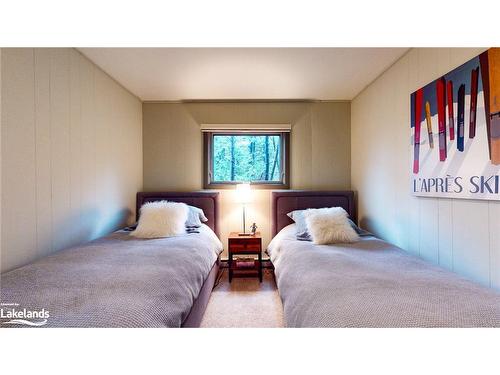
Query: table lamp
{"points": [[243, 196]]}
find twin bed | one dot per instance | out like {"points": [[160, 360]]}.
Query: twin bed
{"points": [[369, 283], [122, 281]]}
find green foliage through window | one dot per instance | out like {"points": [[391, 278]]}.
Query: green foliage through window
{"points": [[244, 157]]}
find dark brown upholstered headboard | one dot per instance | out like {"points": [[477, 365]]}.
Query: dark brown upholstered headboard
{"points": [[285, 201], [208, 201]]}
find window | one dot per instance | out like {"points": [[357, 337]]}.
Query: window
{"points": [[259, 158]]}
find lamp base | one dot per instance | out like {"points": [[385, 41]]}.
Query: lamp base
{"points": [[245, 234]]}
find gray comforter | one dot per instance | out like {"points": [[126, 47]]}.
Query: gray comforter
{"points": [[373, 284], [116, 281]]}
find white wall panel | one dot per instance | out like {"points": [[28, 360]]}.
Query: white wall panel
{"points": [[75, 146], [401, 200], [71, 153], [104, 149], [88, 163], [471, 239], [494, 229], [60, 147], [18, 156], [428, 229], [43, 151], [445, 233]]}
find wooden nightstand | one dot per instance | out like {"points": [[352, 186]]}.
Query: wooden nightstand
{"points": [[245, 245]]}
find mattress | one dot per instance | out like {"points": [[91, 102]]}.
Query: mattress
{"points": [[115, 281], [372, 283]]}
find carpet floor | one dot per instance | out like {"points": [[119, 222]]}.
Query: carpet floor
{"points": [[244, 303]]}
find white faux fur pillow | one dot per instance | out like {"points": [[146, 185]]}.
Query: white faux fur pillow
{"points": [[329, 225], [161, 219]]}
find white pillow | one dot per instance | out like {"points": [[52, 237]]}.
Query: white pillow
{"points": [[161, 219], [329, 225]]}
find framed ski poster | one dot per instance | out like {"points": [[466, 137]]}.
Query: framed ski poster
{"points": [[455, 122]]}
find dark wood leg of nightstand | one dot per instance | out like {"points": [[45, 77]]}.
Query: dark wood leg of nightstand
{"points": [[230, 263], [260, 266]]}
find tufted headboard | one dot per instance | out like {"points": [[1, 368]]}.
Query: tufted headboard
{"points": [[284, 201], [208, 201]]}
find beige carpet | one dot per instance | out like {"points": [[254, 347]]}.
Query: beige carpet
{"points": [[244, 303]]}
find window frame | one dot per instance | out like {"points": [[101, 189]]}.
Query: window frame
{"points": [[208, 145]]}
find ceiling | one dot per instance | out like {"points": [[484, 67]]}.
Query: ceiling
{"points": [[172, 74]]}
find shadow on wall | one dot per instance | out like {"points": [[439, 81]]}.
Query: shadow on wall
{"points": [[86, 226], [73, 230], [111, 222], [395, 236], [368, 224]]}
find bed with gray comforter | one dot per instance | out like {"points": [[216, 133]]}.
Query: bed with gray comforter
{"points": [[116, 281], [371, 283]]}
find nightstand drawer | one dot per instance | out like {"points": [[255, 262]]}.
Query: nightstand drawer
{"points": [[244, 241], [255, 247], [236, 246], [244, 247]]}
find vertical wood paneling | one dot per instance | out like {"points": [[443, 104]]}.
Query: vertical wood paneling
{"points": [[445, 225], [471, 240], [428, 229], [18, 156], [50, 188], [494, 218], [414, 226], [43, 150], [300, 167], [328, 151], [88, 166], [402, 201], [130, 174], [104, 148], [387, 212], [414, 203], [61, 151], [458, 234], [75, 145]]}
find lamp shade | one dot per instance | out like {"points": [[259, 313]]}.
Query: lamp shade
{"points": [[243, 193]]}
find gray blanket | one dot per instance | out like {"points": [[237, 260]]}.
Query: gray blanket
{"points": [[116, 281], [374, 284]]}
